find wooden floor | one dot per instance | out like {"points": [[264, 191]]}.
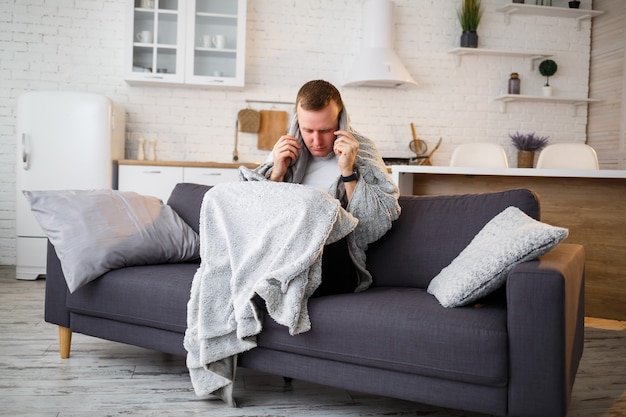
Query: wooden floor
{"points": [[105, 378]]}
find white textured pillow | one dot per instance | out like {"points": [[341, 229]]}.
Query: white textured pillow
{"points": [[509, 238], [95, 231]]}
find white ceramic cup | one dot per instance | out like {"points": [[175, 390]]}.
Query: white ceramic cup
{"points": [[145, 36], [147, 4], [218, 41]]}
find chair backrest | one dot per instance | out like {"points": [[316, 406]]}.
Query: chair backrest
{"points": [[481, 155], [568, 156]]}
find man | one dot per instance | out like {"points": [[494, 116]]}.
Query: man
{"points": [[321, 150], [333, 151]]}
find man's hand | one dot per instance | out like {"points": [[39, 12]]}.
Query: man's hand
{"points": [[346, 146], [285, 152]]}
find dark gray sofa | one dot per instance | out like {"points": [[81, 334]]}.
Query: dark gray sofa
{"points": [[515, 352]]}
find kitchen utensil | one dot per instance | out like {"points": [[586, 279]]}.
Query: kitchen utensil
{"points": [[273, 126], [417, 146], [248, 121], [425, 159]]}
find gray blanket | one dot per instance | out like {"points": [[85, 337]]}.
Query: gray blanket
{"points": [[374, 201], [256, 238]]}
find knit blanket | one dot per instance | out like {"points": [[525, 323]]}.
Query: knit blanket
{"points": [[257, 238]]}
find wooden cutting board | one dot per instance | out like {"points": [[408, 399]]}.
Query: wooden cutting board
{"points": [[273, 125]]}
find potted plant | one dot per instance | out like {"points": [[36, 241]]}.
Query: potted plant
{"points": [[469, 15], [547, 68], [527, 144]]}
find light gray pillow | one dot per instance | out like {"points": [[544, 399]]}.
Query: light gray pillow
{"points": [[508, 239], [95, 231]]}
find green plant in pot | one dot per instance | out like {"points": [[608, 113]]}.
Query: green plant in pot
{"points": [[469, 14], [527, 144], [547, 68]]}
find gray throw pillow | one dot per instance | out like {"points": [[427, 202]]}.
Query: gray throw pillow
{"points": [[95, 231], [508, 239]]}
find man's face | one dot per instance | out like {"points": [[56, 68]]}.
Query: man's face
{"points": [[318, 128]]}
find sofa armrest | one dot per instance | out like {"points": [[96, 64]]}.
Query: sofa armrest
{"points": [[545, 300], [56, 311]]}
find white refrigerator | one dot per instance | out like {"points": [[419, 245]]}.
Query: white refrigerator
{"points": [[65, 140]]}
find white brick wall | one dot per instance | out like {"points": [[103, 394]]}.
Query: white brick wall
{"points": [[78, 45]]}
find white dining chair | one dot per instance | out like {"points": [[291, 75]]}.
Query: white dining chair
{"points": [[568, 156], [480, 155]]}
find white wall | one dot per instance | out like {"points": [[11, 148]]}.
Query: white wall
{"points": [[78, 45]]}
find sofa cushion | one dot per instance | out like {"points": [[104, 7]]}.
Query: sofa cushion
{"points": [[402, 329], [151, 295], [432, 230], [186, 200], [94, 231], [508, 239]]}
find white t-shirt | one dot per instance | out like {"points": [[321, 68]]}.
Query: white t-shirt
{"points": [[322, 171]]}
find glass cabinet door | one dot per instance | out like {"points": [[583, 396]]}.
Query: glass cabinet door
{"points": [[216, 42], [158, 41]]}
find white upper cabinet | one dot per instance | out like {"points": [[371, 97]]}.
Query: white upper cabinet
{"points": [[199, 42], [216, 41]]}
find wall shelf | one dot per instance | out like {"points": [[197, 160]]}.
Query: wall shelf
{"points": [[529, 9], [533, 55], [573, 101]]}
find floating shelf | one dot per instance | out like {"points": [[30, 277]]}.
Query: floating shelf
{"points": [[533, 55], [574, 101], [529, 9]]}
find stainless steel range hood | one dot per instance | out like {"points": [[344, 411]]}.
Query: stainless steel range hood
{"points": [[378, 65]]}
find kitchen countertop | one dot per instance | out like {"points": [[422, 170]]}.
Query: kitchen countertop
{"points": [[516, 172], [195, 164]]}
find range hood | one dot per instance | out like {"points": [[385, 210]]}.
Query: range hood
{"points": [[378, 65]]}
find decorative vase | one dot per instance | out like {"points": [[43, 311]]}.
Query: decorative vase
{"points": [[141, 150], [469, 39], [525, 159], [547, 90], [575, 4]]}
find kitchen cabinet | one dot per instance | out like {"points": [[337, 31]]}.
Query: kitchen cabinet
{"points": [[157, 181], [186, 42], [158, 178], [210, 176], [216, 43]]}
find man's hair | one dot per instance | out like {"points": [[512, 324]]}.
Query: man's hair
{"points": [[317, 94]]}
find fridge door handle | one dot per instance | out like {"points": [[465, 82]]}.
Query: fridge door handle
{"points": [[25, 156]]}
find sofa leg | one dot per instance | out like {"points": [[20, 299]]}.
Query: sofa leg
{"points": [[65, 341]]}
